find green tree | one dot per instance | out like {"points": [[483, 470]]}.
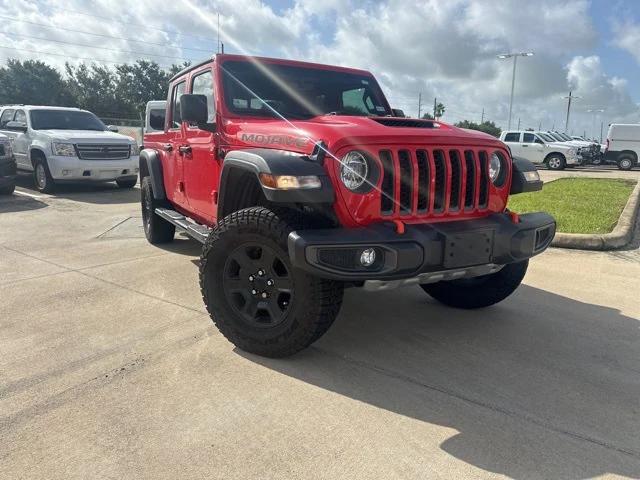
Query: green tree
{"points": [[427, 116], [142, 82], [440, 109], [32, 82], [94, 88], [486, 127]]}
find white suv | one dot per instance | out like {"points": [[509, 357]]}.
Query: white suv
{"points": [[540, 148], [68, 144]]}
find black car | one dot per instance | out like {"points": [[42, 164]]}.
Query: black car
{"points": [[7, 167]]}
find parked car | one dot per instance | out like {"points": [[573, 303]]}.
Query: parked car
{"points": [[154, 116], [541, 149], [61, 144], [299, 181], [588, 150], [7, 166], [623, 145]]}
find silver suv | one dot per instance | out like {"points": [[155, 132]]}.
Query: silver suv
{"points": [[68, 145]]}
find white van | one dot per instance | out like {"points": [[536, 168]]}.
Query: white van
{"points": [[154, 116], [623, 145]]}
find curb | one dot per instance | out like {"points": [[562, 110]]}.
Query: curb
{"points": [[620, 236]]}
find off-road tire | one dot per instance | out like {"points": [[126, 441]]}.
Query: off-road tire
{"points": [[556, 162], [481, 291], [156, 229], [127, 182], [625, 162], [314, 303], [7, 189], [42, 179]]}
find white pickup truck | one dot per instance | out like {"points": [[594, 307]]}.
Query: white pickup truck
{"points": [[68, 145], [540, 148]]}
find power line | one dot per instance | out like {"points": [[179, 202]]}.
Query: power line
{"points": [[96, 60], [99, 48], [111, 19], [55, 27]]}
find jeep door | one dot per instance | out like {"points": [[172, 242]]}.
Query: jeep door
{"points": [[201, 163], [532, 147], [173, 164]]}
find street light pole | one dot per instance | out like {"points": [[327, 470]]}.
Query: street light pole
{"points": [[570, 97], [594, 113], [513, 76]]}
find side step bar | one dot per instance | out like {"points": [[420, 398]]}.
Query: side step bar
{"points": [[194, 230]]}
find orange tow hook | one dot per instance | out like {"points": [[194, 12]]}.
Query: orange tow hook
{"points": [[399, 227], [515, 218]]}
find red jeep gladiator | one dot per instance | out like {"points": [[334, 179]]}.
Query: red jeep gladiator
{"points": [[299, 179]]}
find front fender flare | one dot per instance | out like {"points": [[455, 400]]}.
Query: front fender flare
{"points": [[151, 165], [277, 162]]}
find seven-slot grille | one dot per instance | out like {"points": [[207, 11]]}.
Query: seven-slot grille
{"points": [[424, 182], [119, 151]]}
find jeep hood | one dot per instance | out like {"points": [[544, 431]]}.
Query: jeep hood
{"points": [[86, 136], [341, 131]]}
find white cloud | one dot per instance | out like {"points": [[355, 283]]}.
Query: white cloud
{"points": [[628, 37], [444, 49]]}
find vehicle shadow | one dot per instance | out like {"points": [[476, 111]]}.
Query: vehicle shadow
{"points": [[96, 193], [18, 203], [540, 386]]}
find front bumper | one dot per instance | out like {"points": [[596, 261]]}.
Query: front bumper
{"points": [[73, 168], [423, 248]]}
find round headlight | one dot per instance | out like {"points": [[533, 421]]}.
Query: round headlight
{"points": [[354, 169], [495, 166]]}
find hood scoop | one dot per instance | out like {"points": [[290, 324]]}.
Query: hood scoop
{"points": [[405, 122]]}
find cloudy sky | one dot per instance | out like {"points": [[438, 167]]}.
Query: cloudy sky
{"points": [[444, 49]]}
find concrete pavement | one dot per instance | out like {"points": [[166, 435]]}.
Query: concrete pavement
{"points": [[110, 367]]}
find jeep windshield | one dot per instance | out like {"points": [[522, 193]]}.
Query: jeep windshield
{"points": [[296, 92], [65, 120]]}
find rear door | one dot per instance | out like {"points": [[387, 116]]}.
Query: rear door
{"points": [[201, 162], [512, 139]]}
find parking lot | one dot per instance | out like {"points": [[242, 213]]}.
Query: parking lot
{"points": [[111, 367]]}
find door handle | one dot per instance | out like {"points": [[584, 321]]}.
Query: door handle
{"points": [[525, 145], [167, 147], [184, 150]]}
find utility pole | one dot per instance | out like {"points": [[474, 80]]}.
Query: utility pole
{"points": [[518, 123], [513, 76], [435, 108], [570, 97], [601, 125], [482, 119], [540, 126], [419, 104], [218, 49]]}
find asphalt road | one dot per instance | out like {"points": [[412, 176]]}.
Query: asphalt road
{"points": [[110, 368]]}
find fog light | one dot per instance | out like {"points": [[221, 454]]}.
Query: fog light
{"points": [[368, 257], [65, 172], [532, 176]]}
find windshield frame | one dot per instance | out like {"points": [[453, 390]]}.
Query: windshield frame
{"points": [[225, 99], [546, 137], [35, 126]]}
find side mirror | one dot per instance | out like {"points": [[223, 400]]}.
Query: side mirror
{"points": [[193, 109], [16, 126], [112, 128], [398, 113]]}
